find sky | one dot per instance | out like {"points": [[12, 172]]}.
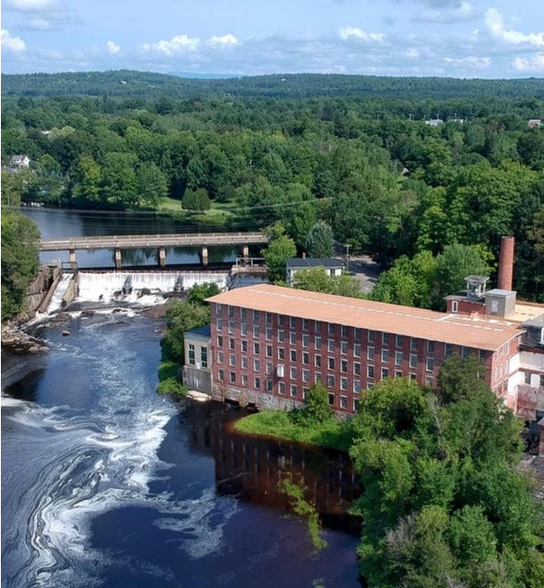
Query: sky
{"points": [[459, 38]]}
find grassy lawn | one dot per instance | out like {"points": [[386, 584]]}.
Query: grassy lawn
{"points": [[332, 434], [217, 209]]}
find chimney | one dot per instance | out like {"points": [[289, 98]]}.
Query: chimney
{"points": [[506, 263]]}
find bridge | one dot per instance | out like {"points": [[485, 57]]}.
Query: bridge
{"points": [[120, 242]]}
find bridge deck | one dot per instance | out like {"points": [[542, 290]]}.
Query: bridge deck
{"points": [[137, 241]]}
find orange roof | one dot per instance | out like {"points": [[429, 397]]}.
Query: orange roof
{"points": [[479, 333]]}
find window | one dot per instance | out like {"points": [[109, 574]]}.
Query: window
{"points": [[430, 346], [293, 338], [306, 375], [343, 401], [455, 306], [305, 324], [385, 373], [370, 353], [243, 313], [358, 333], [330, 381], [356, 405], [481, 355], [231, 326], [281, 336], [413, 343], [317, 342], [220, 341], [220, 357], [357, 369], [371, 336], [306, 341], [527, 377], [293, 373], [465, 352], [293, 322], [370, 371], [330, 345], [281, 353], [398, 340], [385, 355], [268, 318], [448, 350], [542, 380], [430, 365], [232, 359], [256, 331], [257, 383], [343, 331], [268, 368], [344, 365], [305, 393], [344, 347], [306, 358], [357, 350], [244, 380], [218, 309], [413, 360], [269, 385], [343, 383], [398, 374], [293, 355], [269, 334], [398, 357], [232, 377], [256, 348], [318, 361], [385, 338], [331, 329], [357, 386], [230, 310], [429, 381], [269, 351], [219, 325], [255, 316], [257, 365], [243, 329], [281, 388], [293, 390], [317, 327], [331, 399], [280, 319], [232, 344], [204, 357], [191, 354], [243, 346], [330, 363], [413, 377]]}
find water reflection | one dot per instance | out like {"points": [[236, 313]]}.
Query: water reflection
{"points": [[250, 467]]}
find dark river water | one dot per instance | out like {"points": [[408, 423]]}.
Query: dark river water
{"points": [[55, 223], [105, 483]]}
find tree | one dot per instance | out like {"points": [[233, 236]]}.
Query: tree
{"points": [[181, 316], [317, 405], [199, 292], [12, 189], [87, 181], [279, 250], [20, 249], [320, 242], [196, 200], [152, 185], [315, 279]]}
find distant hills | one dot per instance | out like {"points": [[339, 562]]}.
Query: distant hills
{"points": [[127, 83]]}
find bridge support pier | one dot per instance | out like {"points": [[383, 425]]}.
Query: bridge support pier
{"points": [[162, 257], [245, 251], [73, 259], [204, 256], [118, 259]]}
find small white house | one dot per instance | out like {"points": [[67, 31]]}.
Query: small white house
{"points": [[434, 122], [19, 161], [332, 266], [534, 122]]}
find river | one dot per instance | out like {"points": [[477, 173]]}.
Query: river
{"points": [[105, 483]]}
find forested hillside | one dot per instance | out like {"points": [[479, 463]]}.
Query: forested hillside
{"points": [[362, 159]]}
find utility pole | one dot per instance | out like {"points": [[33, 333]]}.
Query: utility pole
{"points": [[347, 246]]}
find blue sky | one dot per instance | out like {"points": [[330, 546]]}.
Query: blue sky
{"points": [[461, 38]]}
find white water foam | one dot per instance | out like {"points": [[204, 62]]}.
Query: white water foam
{"points": [[56, 300]]}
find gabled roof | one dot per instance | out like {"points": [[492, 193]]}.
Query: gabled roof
{"points": [[306, 262], [477, 332]]}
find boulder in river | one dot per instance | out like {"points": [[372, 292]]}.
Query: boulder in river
{"points": [[65, 333]]}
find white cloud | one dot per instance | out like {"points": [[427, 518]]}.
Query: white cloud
{"points": [[356, 33], [495, 24], [11, 43], [463, 12], [470, 61], [33, 5], [216, 41], [112, 47], [176, 44], [533, 64], [412, 53]]}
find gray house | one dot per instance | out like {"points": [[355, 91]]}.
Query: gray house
{"points": [[197, 372], [332, 266]]}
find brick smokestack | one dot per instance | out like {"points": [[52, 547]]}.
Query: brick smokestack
{"points": [[506, 263]]}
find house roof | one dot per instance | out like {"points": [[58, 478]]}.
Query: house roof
{"points": [[306, 262], [476, 332], [203, 332]]}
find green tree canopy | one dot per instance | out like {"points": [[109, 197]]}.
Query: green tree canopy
{"points": [[320, 242], [279, 250]]}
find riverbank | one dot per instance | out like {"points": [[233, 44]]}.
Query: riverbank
{"points": [[329, 434]]}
